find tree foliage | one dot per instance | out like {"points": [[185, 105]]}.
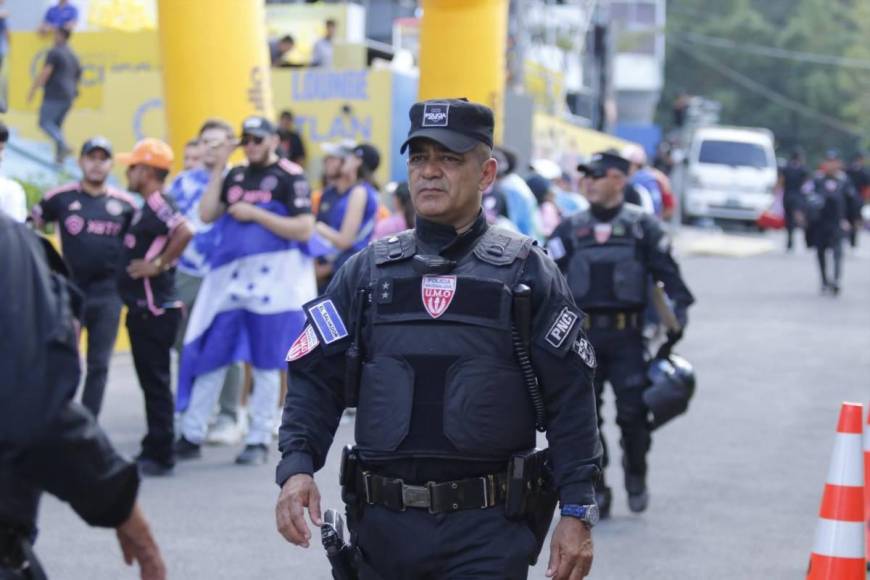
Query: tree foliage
{"points": [[831, 101]]}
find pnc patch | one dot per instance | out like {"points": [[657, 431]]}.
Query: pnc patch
{"points": [[561, 328]]}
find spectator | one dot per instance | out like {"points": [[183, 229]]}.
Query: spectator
{"points": [[251, 299], [403, 214], [192, 155], [60, 77], [92, 218], [62, 16], [156, 238], [548, 214], [322, 52], [642, 178], [333, 158], [291, 146], [346, 216], [279, 48], [187, 190], [520, 201], [4, 33], [13, 200]]}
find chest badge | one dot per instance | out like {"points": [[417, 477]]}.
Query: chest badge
{"points": [[75, 206], [438, 293], [602, 232]]}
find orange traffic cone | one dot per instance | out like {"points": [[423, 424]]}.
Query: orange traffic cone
{"points": [[838, 553], [867, 486]]}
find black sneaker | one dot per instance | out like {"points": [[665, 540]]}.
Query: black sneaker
{"points": [[253, 455], [638, 495], [153, 468], [184, 449], [835, 289]]}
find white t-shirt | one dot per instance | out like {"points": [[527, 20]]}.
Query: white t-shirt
{"points": [[13, 201]]}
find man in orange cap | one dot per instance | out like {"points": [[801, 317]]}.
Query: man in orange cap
{"points": [[157, 236]]}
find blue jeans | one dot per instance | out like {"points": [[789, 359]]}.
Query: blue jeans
{"points": [[51, 116]]}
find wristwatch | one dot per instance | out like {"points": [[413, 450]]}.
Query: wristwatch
{"points": [[585, 513], [158, 262]]}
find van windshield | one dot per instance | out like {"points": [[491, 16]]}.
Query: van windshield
{"points": [[733, 153]]}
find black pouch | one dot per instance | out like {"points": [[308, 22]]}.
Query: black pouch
{"points": [[531, 494], [347, 475]]}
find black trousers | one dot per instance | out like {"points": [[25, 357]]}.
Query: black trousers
{"points": [[151, 339], [468, 544], [621, 363], [101, 315], [836, 248], [790, 206]]}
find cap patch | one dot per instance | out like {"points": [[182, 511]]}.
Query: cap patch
{"points": [[435, 115]]}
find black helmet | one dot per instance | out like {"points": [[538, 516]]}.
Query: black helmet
{"points": [[672, 384]]}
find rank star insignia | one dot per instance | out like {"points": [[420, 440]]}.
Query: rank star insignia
{"points": [[384, 291]]}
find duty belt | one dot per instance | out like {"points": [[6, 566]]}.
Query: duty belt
{"points": [[442, 497], [612, 321]]}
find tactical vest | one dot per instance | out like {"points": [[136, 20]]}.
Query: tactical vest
{"points": [[607, 269], [440, 379]]}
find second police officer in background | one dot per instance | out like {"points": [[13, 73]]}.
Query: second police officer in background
{"points": [[609, 253], [420, 327]]}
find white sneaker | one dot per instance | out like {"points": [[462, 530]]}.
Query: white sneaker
{"points": [[225, 432]]}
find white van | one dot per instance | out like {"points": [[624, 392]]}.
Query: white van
{"points": [[730, 174]]}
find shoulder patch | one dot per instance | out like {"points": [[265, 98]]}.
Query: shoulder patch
{"points": [[304, 344], [327, 320], [561, 327], [583, 349]]}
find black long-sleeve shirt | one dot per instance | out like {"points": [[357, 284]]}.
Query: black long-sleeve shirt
{"points": [[47, 442], [315, 402]]}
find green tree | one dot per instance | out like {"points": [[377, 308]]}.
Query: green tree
{"points": [[717, 51]]}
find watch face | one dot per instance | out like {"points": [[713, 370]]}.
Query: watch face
{"points": [[592, 515]]}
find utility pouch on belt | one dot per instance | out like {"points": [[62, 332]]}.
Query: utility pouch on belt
{"points": [[347, 475], [531, 493]]}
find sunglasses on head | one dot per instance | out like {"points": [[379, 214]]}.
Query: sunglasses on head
{"points": [[256, 140]]}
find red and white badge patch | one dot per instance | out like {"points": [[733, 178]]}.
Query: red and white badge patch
{"points": [[438, 293], [602, 232], [306, 342]]}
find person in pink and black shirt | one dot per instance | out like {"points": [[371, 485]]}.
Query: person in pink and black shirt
{"points": [[92, 218], [156, 238]]}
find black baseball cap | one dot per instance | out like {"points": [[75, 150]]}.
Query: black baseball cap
{"points": [[95, 143], [258, 126], [600, 162], [457, 124], [369, 155]]}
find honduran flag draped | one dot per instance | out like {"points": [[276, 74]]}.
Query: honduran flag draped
{"points": [[249, 307]]}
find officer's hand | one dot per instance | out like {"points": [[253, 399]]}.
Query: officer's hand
{"points": [[138, 545], [299, 492], [243, 211], [570, 550]]}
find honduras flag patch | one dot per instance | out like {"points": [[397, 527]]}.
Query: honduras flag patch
{"points": [[324, 315]]}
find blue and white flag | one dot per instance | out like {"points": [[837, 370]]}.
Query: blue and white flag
{"points": [[249, 307]]}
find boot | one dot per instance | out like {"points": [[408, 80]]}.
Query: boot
{"points": [[638, 495]]}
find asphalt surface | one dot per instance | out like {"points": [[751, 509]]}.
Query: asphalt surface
{"points": [[735, 484]]}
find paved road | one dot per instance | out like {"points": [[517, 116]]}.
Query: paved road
{"points": [[735, 484]]}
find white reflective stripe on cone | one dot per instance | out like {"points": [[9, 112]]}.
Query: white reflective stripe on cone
{"points": [[846, 461], [839, 539], [867, 438]]}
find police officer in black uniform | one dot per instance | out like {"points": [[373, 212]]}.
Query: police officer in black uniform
{"points": [[609, 254], [424, 329], [47, 442]]}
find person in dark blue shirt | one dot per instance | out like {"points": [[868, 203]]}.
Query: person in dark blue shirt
{"points": [[347, 211], [64, 15]]}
